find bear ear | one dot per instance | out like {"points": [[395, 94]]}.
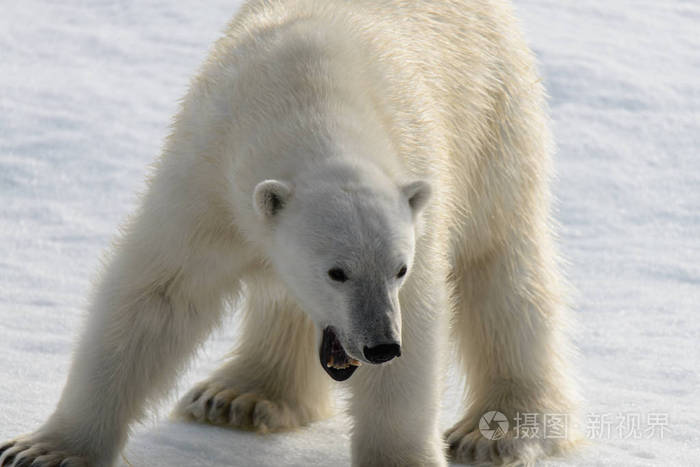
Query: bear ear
{"points": [[417, 193], [270, 197]]}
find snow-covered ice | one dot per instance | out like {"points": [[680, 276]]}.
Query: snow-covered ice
{"points": [[87, 90]]}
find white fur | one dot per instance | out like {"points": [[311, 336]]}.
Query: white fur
{"points": [[372, 134]]}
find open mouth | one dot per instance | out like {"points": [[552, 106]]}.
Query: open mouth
{"points": [[333, 357]]}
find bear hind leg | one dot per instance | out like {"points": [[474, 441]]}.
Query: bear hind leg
{"points": [[273, 380]]}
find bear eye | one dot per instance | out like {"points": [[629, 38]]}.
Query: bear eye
{"points": [[337, 275], [402, 271]]}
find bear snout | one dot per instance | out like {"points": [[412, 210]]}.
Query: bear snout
{"points": [[382, 353]]}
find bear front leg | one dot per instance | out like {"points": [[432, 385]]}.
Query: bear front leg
{"points": [[151, 309], [510, 327], [396, 405], [128, 354]]}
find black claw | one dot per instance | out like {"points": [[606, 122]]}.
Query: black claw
{"points": [[209, 403], [471, 453], [8, 460], [197, 395], [220, 404], [22, 463], [495, 451], [6, 446]]}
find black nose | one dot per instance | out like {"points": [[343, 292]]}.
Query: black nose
{"points": [[382, 353]]}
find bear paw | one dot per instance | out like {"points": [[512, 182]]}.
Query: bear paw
{"points": [[25, 453], [218, 404], [469, 444]]}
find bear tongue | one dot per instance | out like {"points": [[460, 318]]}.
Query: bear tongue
{"points": [[333, 357]]}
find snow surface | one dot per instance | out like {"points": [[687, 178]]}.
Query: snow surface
{"points": [[87, 90]]}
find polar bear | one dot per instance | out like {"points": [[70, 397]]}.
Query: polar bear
{"points": [[371, 177]]}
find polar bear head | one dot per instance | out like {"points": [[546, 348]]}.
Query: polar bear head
{"points": [[343, 243]]}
